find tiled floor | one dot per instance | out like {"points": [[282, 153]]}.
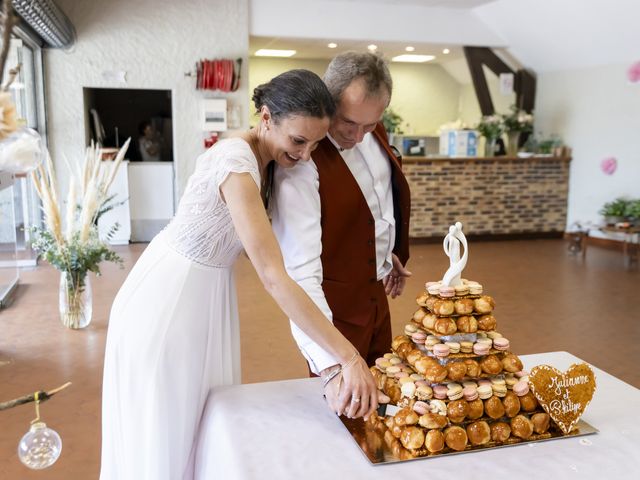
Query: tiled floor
{"points": [[546, 300]]}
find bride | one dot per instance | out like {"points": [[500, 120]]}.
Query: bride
{"points": [[173, 330]]}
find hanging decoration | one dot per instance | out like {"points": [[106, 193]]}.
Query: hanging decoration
{"points": [[609, 165], [633, 74]]}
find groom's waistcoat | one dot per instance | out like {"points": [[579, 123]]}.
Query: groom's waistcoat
{"points": [[348, 231]]}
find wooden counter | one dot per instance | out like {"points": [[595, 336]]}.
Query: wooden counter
{"points": [[492, 196]]}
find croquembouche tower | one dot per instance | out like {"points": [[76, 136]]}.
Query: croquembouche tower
{"points": [[452, 377]]}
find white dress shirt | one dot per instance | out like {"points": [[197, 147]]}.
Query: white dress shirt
{"points": [[296, 224]]}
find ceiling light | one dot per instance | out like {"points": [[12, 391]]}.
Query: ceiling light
{"points": [[265, 52], [446, 51], [332, 45], [410, 48], [372, 47], [413, 58]]}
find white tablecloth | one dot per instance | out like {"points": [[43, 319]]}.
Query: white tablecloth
{"points": [[284, 430]]}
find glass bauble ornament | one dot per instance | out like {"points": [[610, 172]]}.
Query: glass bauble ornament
{"points": [[40, 447]]}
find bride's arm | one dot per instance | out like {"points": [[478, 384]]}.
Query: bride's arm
{"points": [[252, 225]]}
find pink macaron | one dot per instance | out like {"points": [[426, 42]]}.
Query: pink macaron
{"points": [[422, 383], [421, 407], [501, 344], [521, 388], [401, 375], [419, 337], [481, 348], [441, 350], [440, 392], [447, 292], [522, 373], [470, 393]]}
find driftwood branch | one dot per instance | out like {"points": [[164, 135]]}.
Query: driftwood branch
{"points": [[9, 20], [42, 397]]}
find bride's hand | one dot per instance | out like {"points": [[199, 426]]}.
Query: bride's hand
{"points": [[357, 395]]}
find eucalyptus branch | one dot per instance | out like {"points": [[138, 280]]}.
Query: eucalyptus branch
{"points": [[9, 20], [42, 397]]}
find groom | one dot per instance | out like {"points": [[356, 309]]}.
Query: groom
{"points": [[342, 219]]}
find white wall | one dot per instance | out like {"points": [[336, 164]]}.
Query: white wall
{"points": [[155, 42], [597, 113]]}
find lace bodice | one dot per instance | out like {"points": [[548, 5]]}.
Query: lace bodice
{"points": [[202, 229]]}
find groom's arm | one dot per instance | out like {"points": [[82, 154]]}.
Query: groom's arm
{"points": [[296, 224]]}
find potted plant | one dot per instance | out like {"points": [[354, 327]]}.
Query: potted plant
{"points": [[77, 249], [615, 211], [392, 121], [490, 127], [516, 123], [633, 212]]}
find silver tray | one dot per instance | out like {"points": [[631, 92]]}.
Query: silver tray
{"points": [[373, 446]]}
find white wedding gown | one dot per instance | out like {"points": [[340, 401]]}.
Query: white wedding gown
{"points": [[173, 330]]}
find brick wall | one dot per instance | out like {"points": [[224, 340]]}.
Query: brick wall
{"points": [[489, 196]]}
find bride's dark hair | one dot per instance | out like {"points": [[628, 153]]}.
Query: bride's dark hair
{"points": [[296, 92]]}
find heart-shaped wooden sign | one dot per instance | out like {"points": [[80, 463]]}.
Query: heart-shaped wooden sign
{"points": [[564, 396]]}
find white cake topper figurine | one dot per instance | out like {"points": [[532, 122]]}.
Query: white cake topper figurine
{"points": [[451, 244]]}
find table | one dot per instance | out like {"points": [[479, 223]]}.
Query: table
{"points": [[630, 242], [283, 430]]}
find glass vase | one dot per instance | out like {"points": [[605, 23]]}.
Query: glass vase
{"points": [[512, 143], [490, 147], [75, 300]]}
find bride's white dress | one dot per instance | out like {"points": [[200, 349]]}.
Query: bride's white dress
{"points": [[173, 330]]}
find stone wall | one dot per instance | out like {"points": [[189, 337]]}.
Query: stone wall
{"points": [[490, 196]]}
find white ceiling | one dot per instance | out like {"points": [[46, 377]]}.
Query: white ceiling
{"points": [[317, 48]]}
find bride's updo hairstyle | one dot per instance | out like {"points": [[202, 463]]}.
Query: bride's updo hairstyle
{"points": [[296, 92]]}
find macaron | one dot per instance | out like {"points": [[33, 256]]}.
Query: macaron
{"points": [[466, 347], [484, 381], [486, 340], [475, 288], [410, 329], [454, 347], [521, 388], [393, 369], [431, 340], [469, 383], [480, 348], [430, 284], [420, 383], [485, 391], [404, 380], [395, 361], [510, 380], [494, 334], [416, 377], [424, 392], [470, 393], [522, 373], [499, 390], [389, 356], [421, 407], [501, 344], [498, 380], [419, 337], [441, 350], [461, 290], [408, 389], [455, 393], [440, 392], [447, 292], [434, 289], [400, 375], [382, 363]]}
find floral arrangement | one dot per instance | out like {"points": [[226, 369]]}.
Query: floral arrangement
{"points": [[518, 121], [491, 127], [76, 249]]}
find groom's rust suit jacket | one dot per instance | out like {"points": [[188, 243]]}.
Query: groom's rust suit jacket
{"points": [[356, 298]]}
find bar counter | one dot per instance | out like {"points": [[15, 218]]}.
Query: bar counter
{"points": [[493, 196]]}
